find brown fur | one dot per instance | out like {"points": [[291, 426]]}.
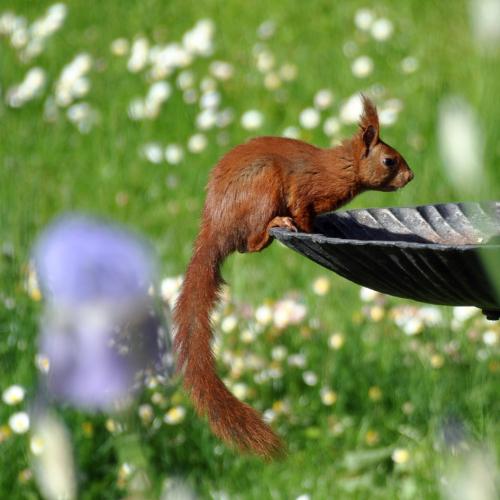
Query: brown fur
{"points": [[264, 183]]}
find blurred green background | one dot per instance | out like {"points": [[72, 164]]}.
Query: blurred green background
{"points": [[381, 433]]}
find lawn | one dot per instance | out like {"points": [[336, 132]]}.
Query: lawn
{"points": [[375, 397]]}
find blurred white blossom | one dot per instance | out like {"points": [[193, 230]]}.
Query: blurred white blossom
{"points": [[309, 118], [185, 79], [409, 64], [279, 353], [362, 66], [264, 315], [153, 152], [490, 337], [210, 99], [363, 19], [323, 99], [83, 116], [199, 39], [382, 29], [351, 109], [464, 313], [30, 40], [13, 395], [252, 119], [174, 154], [206, 119], [288, 72], [331, 126], [197, 143], [19, 422], [120, 47], [291, 132], [272, 81], [224, 117], [367, 294], [265, 61], [72, 83], [139, 54], [53, 458], [170, 288], [31, 87], [461, 144], [310, 378], [221, 70], [266, 29], [485, 18], [288, 312]]}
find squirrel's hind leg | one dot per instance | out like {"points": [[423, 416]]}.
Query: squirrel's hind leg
{"points": [[259, 241]]}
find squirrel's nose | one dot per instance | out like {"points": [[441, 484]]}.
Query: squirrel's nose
{"points": [[409, 175]]}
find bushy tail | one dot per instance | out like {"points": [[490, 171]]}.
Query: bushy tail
{"points": [[230, 419]]}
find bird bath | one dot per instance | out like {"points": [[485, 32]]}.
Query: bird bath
{"points": [[440, 254]]}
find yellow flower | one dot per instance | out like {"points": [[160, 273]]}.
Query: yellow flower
{"points": [[408, 408], [177, 397], [280, 406], [437, 361], [240, 390], [112, 425], [377, 313], [321, 285], [400, 456], [32, 286], [248, 336], [158, 398], [42, 362], [372, 437], [328, 397], [175, 415], [229, 323], [88, 429], [124, 473], [375, 393], [336, 341], [36, 444], [146, 413], [5, 433], [25, 475], [264, 315]]}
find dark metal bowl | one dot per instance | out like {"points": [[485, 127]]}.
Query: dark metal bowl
{"points": [[430, 253]]}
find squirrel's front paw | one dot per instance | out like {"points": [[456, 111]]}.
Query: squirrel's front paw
{"points": [[284, 222]]}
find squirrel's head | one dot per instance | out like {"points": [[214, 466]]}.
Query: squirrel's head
{"points": [[380, 167]]}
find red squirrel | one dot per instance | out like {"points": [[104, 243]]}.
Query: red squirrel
{"points": [[264, 183]]}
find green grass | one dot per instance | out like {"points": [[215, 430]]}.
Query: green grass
{"points": [[49, 168]]}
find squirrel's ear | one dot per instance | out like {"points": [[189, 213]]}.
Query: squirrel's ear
{"points": [[369, 125]]}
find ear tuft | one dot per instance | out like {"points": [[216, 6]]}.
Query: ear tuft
{"points": [[369, 124], [370, 115]]}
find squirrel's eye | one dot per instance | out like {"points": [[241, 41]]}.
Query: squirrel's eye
{"points": [[389, 162]]}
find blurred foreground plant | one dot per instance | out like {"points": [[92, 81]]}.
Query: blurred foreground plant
{"points": [[102, 332]]}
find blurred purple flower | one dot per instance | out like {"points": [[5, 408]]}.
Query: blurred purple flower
{"points": [[83, 259], [101, 330]]}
